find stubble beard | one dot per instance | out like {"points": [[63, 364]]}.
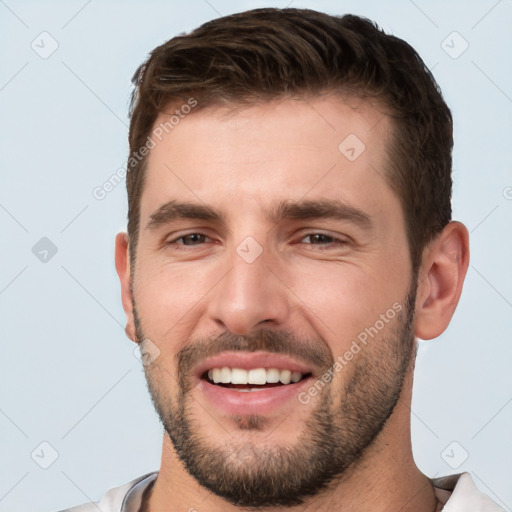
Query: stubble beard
{"points": [[336, 432]]}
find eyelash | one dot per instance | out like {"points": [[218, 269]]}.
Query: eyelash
{"points": [[175, 242], [337, 242]]}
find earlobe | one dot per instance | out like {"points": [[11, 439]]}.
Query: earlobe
{"points": [[443, 270], [122, 260]]}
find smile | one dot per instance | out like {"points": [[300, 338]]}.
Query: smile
{"points": [[251, 382], [261, 377]]}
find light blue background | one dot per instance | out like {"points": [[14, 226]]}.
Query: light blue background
{"points": [[68, 373]]}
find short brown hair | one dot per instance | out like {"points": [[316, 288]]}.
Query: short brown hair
{"points": [[265, 54]]}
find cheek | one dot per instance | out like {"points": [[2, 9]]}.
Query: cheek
{"points": [[162, 381], [170, 297], [344, 300]]}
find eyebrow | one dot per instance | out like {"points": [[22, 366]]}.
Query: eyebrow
{"points": [[321, 209], [173, 210], [294, 210]]}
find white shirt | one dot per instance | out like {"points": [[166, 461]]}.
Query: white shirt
{"points": [[458, 493]]}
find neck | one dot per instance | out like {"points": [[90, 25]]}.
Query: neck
{"points": [[385, 479]]}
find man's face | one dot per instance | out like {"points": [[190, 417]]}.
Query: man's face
{"points": [[270, 248]]}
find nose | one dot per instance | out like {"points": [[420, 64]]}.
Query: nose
{"points": [[250, 296]]}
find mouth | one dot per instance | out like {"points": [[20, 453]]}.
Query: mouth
{"points": [[252, 382], [254, 379]]}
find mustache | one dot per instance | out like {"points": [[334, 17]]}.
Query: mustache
{"points": [[314, 352]]}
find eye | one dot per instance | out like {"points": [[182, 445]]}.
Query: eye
{"points": [[190, 239], [323, 241], [318, 239]]}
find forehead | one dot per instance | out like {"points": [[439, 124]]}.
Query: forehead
{"points": [[246, 158]]}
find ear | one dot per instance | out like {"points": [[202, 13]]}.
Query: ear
{"points": [[123, 271], [440, 279]]}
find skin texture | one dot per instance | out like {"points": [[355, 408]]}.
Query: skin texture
{"points": [[201, 298]]}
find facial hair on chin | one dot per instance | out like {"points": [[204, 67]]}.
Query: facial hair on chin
{"points": [[335, 433]]}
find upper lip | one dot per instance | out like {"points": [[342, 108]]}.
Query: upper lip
{"points": [[250, 360]]}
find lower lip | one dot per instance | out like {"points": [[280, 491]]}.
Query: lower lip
{"points": [[251, 402]]}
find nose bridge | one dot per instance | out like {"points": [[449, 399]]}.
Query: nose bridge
{"points": [[250, 293]]}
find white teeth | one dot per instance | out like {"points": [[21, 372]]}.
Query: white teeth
{"points": [[225, 375], [238, 376], [295, 376], [273, 376], [257, 376], [285, 376]]}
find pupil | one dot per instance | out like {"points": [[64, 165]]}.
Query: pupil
{"points": [[320, 239], [192, 239]]}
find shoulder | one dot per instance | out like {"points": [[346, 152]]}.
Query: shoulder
{"points": [[114, 499], [459, 493]]}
